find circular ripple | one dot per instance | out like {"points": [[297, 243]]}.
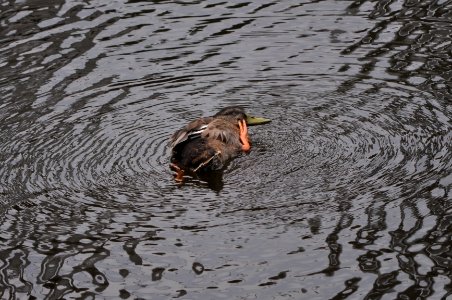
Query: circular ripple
{"points": [[92, 91], [94, 150], [342, 147]]}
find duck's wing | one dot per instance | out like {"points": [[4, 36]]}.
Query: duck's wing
{"points": [[191, 131]]}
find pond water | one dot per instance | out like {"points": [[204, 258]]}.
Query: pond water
{"points": [[345, 195]]}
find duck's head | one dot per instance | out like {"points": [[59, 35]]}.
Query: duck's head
{"points": [[237, 113]]}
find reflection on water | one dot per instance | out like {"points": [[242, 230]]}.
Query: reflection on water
{"points": [[346, 194]]}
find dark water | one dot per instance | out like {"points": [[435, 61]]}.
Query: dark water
{"points": [[345, 195]]}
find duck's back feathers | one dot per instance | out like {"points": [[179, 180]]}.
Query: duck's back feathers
{"points": [[222, 131], [205, 144]]}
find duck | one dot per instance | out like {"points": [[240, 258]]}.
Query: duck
{"points": [[209, 143]]}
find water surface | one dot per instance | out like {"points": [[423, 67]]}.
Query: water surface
{"points": [[345, 195]]}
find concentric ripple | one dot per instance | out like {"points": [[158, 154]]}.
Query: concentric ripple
{"points": [[345, 194], [342, 146], [87, 150]]}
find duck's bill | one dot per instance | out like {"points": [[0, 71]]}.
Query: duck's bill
{"points": [[250, 120]]}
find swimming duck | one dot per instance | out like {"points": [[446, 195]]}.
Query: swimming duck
{"points": [[208, 143]]}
